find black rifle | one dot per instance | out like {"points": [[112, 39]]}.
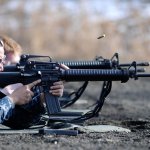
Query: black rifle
{"points": [[99, 63], [50, 72]]}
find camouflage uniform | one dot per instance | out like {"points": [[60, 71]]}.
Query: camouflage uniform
{"points": [[6, 108], [21, 116]]}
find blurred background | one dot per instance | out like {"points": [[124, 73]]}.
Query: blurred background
{"points": [[68, 29]]}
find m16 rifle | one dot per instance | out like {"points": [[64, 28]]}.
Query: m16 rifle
{"points": [[30, 70], [98, 63]]}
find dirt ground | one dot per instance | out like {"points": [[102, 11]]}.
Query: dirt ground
{"points": [[128, 105]]}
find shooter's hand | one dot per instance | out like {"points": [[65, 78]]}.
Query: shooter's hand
{"points": [[57, 88], [22, 94]]}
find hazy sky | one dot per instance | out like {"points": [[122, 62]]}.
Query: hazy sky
{"points": [[109, 8]]}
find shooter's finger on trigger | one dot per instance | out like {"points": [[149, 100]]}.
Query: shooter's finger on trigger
{"points": [[34, 83]]}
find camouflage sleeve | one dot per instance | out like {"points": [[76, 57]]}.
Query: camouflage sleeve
{"points": [[6, 107], [24, 116]]}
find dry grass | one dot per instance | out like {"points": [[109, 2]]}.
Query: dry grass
{"points": [[60, 34]]}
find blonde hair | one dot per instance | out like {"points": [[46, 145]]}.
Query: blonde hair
{"points": [[10, 45]]}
